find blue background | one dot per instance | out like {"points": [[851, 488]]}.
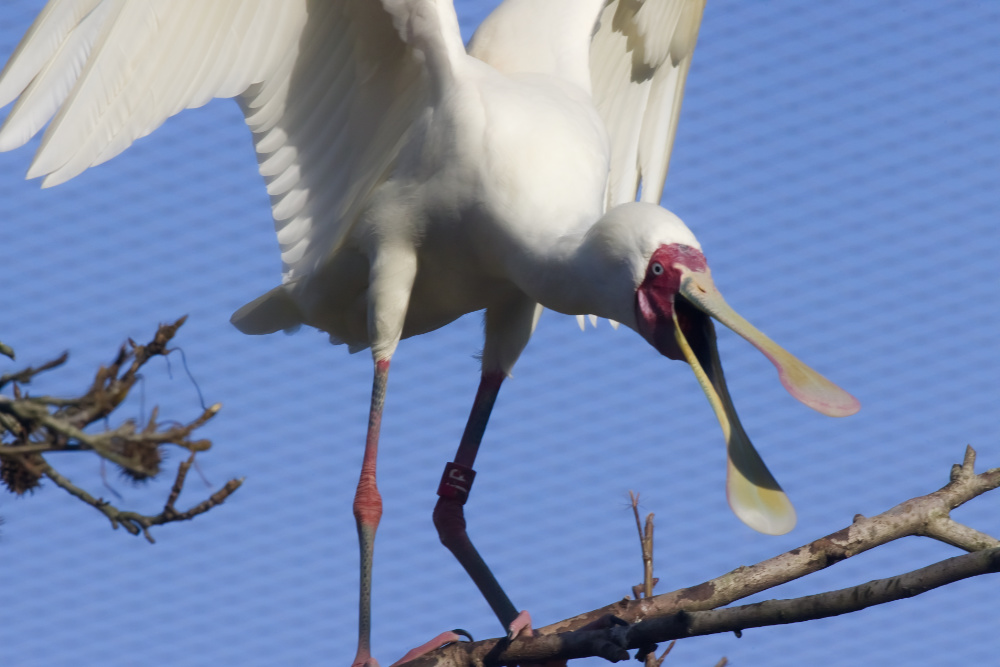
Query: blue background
{"points": [[839, 163]]}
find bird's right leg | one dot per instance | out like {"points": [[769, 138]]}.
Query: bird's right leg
{"points": [[368, 513], [390, 282], [507, 332]]}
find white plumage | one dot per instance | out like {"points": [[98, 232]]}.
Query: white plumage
{"points": [[411, 182]]}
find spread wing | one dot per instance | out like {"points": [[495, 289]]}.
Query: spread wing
{"points": [[328, 87], [639, 60]]}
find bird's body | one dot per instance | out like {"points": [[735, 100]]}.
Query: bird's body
{"points": [[413, 182], [477, 202]]}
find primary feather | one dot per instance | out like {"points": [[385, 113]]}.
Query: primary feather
{"points": [[639, 60]]}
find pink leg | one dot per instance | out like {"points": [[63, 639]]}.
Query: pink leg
{"points": [[449, 516], [367, 513]]}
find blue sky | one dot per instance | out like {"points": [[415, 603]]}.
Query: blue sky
{"points": [[838, 162]]}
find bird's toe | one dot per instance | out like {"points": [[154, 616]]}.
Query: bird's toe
{"points": [[443, 639], [520, 625]]}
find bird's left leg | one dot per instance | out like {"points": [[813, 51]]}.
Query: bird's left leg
{"points": [[507, 332], [453, 492]]}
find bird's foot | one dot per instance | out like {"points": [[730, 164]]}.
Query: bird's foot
{"points": [[443, 639], [520, 625]]}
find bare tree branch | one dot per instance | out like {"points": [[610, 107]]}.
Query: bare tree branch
{"points": [[951, 532], [642, 623], [909, 518], [821, 605], [32, 426]]}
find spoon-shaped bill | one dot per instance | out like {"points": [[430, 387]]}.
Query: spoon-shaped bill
{"points": [[802, 382], [753, 493]]}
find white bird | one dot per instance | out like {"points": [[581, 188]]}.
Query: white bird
{"points": [[412, 182]]}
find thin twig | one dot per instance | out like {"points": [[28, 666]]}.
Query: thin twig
{"points": [[28, 374], [646, 654]]}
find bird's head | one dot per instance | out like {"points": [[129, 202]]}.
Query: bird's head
{"points": [[674, 304]]}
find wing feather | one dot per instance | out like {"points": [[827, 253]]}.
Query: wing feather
{"points": [[123, 68], [329, 89], [639, 57], [45, 66]]}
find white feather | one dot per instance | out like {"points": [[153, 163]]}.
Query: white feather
{"points": [[321, 85], [639, 58]]}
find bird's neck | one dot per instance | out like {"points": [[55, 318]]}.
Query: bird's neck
{"points": [[576, 274]]}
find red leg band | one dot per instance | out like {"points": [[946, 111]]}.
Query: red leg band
{"points": [[456, 482]]}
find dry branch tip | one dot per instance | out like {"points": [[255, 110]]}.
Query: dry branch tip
{"points": [[31, 426]]}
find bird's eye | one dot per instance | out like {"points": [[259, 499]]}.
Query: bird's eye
{"points": [[657, 268]]}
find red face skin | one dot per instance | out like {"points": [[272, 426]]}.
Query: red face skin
{"points": [[656, 299]]}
